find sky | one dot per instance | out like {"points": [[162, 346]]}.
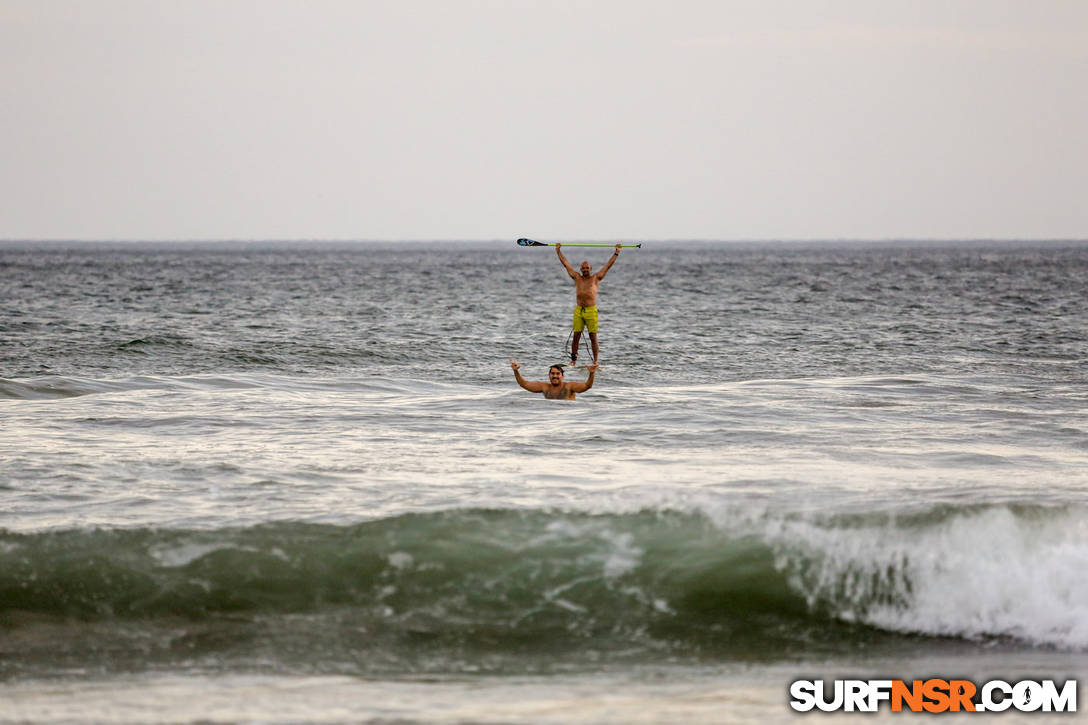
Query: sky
{"points": [[561, 120]]}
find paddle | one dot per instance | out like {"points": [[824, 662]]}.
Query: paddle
{"points": [[530, 243]]}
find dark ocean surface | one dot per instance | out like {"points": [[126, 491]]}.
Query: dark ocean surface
{"points": [[296, 482]]}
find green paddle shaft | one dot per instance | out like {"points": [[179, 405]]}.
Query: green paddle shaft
{"points": [[531, 243]]}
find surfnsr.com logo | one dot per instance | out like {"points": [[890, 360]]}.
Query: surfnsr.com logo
{"points": [[933, 695]]}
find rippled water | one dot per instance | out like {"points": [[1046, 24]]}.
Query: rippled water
{"points": [[679, 313], [282, 465]]}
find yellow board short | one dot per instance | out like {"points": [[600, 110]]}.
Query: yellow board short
{"points": [[585, 317]]}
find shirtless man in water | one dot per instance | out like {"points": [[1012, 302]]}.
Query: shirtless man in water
{"points": [[585, 294], [555, 388]]}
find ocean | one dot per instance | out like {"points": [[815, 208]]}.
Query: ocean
{"points": [[296, 482]]}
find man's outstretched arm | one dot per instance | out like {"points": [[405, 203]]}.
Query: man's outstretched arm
{"points": [[608, 265], [570, 269], [531, 386], [583, 387]]}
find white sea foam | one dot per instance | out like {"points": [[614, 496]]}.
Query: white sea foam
{"points": [[616, 553], [180, 555], [993, 572]]}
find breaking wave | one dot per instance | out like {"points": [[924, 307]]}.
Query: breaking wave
{"points": [[488, 585]]}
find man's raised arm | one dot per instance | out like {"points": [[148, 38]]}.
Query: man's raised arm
{"points": [[608, 265], [583, 387], [531, 386], [570, 269]]}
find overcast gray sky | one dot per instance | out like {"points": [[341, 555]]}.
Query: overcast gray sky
{"points": [[571, 120]]}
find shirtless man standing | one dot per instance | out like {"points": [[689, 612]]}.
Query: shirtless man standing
{"points": [[555, 388], [585, 294]]}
